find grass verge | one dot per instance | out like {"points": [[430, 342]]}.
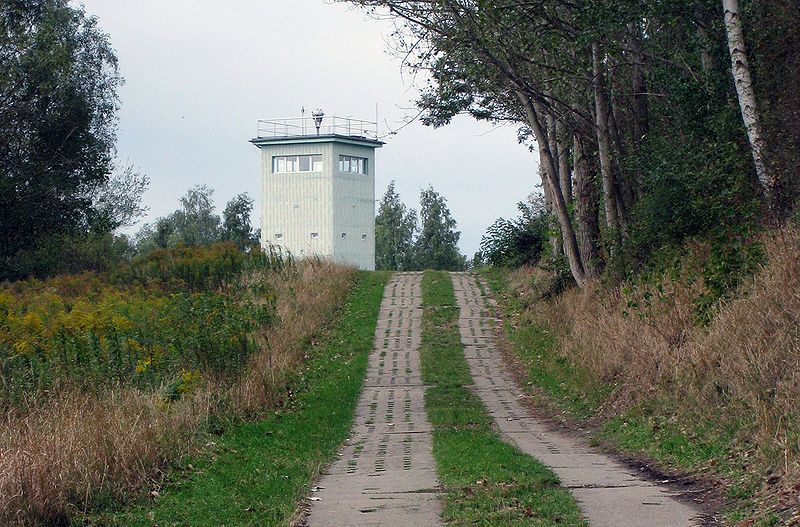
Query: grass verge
{"points": [[571, 388], [646, 430], [487, 481], [255, 473]]}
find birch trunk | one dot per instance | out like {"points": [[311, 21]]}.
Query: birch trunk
{"points": [[604, 147], [564, 176], [586, 220], [747, 97], [534, 120]]}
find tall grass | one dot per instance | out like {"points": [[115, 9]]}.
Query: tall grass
{"points": [[121, 376], [739, 373]]}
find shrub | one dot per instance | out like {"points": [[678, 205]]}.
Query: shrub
{"points": [[517, 242]]}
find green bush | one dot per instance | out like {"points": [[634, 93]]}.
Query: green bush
{"points": [[519, 241]]}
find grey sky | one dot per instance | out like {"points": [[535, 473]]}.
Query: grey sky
{"points": [[199, 74]]}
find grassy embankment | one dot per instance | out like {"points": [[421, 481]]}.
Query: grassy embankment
{"points": [[255, 473], [488, 482], [717, 400], [108, 380]]}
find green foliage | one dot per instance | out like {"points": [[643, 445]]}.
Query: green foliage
{"points": [[57, 121], [69, 254], [118, 203], [195, 223], [394, 233], [436, 247], [436, 242], [775, 62], [517, 242], [678, 153], [199, 268], [236, 221], [158, 320]]}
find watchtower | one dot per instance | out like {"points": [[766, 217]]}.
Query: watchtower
{"points": [[318, 186]]}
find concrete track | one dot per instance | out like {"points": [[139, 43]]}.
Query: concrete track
{"points": [[386, 474], [610, 494]]}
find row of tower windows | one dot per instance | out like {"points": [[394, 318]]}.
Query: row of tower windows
{"points": [[313, 163], [315, 235], [307, 163]]}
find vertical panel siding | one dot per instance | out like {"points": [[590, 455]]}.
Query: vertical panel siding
{"points": [[327, 202]]}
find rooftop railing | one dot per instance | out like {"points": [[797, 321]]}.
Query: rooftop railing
{"points": [[308, 126]]}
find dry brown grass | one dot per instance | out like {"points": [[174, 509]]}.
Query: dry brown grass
{"points": [[744, 368], [78, 448], [305, 302]]}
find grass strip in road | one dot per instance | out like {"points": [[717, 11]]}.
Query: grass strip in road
{"points": [[257, 472], [487, 481]]}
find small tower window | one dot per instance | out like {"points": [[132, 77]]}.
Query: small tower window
{"points": [[363, 236], [278, 236], [356, 165], [314, 235], [344, 235]]}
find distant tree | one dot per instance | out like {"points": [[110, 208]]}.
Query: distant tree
{"points": [[436, 246], [118, 203], [394, 233], [155, 236], [57, 120], [236, 221], [196, 223], [477, 261], [519, 241]]}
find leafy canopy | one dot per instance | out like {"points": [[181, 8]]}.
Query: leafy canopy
{"points": [[59, 85]]}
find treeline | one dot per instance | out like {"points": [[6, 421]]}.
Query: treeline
{"points": [[653, 122], [64, 198], [405, 242], [196, 223]]}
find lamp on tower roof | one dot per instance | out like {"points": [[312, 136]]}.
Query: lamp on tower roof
{"points": [[317, 115]]}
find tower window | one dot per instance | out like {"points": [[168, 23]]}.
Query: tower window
{"points": [[344, 235], [363, 236], [278, 236], [356, 165], [314, 235], [304, 163]]}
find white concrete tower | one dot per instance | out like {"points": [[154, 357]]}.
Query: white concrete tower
{"points": [[318, 187]]}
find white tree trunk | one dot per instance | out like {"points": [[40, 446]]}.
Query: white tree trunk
{"points": [[744, 89]]}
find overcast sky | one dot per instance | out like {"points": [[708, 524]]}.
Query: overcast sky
{"points": [[199, 74]]}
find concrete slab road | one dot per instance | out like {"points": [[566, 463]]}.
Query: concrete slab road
{"points": [[386, 475]]}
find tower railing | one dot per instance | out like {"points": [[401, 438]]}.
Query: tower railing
{"points": [[307, 127]]}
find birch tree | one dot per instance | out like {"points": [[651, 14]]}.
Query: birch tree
{"points": [[747, 98]]}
